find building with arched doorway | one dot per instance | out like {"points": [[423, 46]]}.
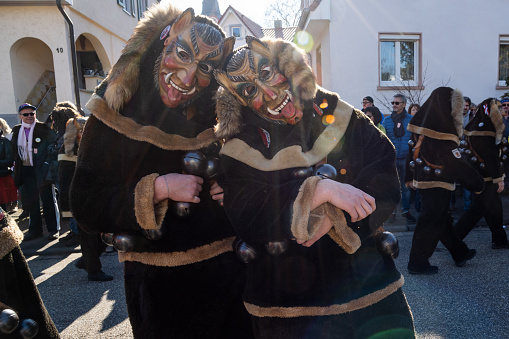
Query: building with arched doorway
{"points": [[35, 49]]}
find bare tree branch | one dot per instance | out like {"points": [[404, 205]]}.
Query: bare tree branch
{"points": [[288, 11]]}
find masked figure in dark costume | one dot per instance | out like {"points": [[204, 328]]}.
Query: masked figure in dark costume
{"points": [[183, 281], [483, 135], [434, 164], [313, 268], [22, 312]]}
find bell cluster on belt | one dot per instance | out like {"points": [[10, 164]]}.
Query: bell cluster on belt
{"points": [[419, 162]]}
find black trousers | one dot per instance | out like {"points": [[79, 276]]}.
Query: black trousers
{"points": [[91, 248], [488, 205], [47, 197], [434, 224]]}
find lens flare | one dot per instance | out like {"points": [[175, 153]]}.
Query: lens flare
{"points": [[324, 104], [327, 119], [304, 40]]}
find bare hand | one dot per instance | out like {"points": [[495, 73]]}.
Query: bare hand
{"points": [[410, 184], [346, 197], [178, 187], [500, 186], [216, 192], [323, 230]]}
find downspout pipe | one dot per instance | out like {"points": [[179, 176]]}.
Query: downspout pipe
{"points": [[73, 55]]}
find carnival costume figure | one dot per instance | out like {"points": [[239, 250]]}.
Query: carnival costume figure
{"points": [[182, 279], [287, 139]]}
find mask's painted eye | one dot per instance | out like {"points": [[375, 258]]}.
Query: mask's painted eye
{"points": [[249, 91], [183, 54], [265, 72], [206, 68]]}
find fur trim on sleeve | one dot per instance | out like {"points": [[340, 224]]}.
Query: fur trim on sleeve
{"points": [[10, 237], [302, 211], [148, 215], [341, 233]]}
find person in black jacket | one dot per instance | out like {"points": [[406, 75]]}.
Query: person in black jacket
{"points": [[309, 241], [30, 142], [8, 191], [434, 164], [483, 135]]}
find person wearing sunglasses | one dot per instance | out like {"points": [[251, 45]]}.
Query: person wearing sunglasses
{"points": [[30, 141], [397, 132]]}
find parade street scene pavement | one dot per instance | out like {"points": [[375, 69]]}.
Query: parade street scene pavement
{"points": [[467, 302]]}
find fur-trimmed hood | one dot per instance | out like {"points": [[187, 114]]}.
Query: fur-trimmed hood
{"points": [[291, 61], [123, 79], [487, 121], [441, 116], [72, 128]]}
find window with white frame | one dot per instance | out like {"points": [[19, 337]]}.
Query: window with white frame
{"points": [[142, 7], [235, 31], [127, 5], [503, 61], [399, 59]]}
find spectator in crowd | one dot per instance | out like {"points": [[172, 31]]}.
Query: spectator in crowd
{"points": [[413, 108], [467, 113], [367, 101], [505, 114], [376, 116], [396, 129], [8, 191], [434, 165], [7, 131], [30, 142], [483, 135]]}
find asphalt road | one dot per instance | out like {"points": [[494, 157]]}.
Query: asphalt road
{"points": [[467, 302]]}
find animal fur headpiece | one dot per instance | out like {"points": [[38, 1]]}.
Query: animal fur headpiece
{"points": [[286, 57], [487, 121], [147, 41], [441, 116], [72, 128]]}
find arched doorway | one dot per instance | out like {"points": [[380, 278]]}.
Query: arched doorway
{"points": [[92, 59], [33, 74]]}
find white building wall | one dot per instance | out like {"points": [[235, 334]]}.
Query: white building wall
{"points": [[460, 44]]}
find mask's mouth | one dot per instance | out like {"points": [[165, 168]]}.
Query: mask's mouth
{"points": [[277, 110], [169, 82]]}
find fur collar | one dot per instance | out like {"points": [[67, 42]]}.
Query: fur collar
{"points": [[151, 134], [10, 237]]}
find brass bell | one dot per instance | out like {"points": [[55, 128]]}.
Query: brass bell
{"points": [[194, 163], [463, 143], [182, 209], [277, 247], [481, 124], [504, 141], [244, 252], [211, 168], [473, 159], [418, 161], [107, 238], [438, 172], [426, 169], [462, 150], [326, 171], [468, 151], [411, 164], [387, 244], [303, 172], [125, 242], [504, 149], [153, 234], [482, 165], [411, 143], [9, 321], [28, 328], [504, 158]]}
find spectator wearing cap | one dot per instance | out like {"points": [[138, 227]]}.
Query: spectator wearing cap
{"points": [[30, 141], [367, 102], [397, 132]]}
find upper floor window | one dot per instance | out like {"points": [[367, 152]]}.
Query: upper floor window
{"points": [[127, 5], [399, 60], [235, 31], [503, 61], [142, 7]]}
